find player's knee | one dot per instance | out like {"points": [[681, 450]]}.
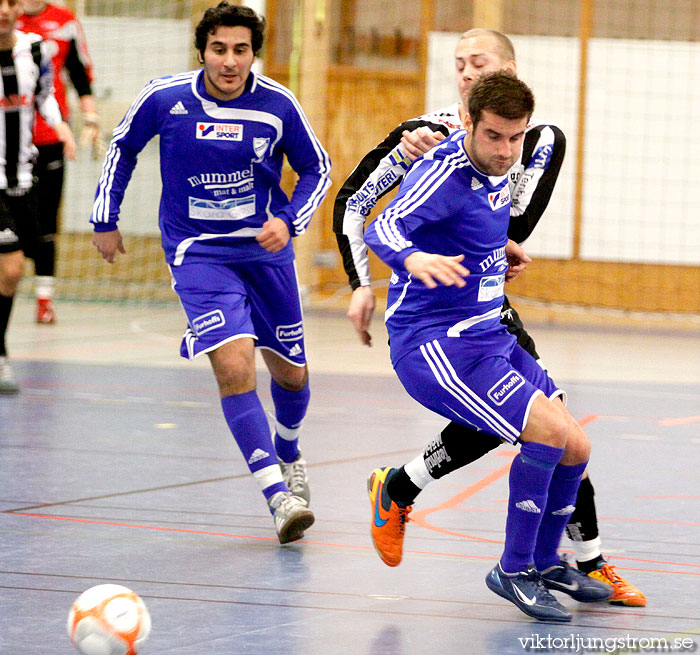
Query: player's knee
{"points": [[234, 369], [555, 432], [578, 446], [10, 273], [292, 378]]}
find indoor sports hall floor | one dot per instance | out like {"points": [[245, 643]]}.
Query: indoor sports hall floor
{"points": [[116, 466]]}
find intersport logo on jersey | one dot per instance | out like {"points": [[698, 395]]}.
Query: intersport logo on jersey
{"points": [[220, 131], [499, 198]]}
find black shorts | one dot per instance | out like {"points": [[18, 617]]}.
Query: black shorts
{"points": [[19, 224], [510, 318]]}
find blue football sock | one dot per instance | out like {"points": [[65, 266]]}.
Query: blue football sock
{"points": [[530, 476], [247, 421], [290, 410], [561, 500]]}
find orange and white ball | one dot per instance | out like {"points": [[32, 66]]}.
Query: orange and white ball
{"points": [[108, 620]]}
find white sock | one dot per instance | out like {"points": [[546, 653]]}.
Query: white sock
{"points": [[44, 286], [587, 550], [418, 472]]}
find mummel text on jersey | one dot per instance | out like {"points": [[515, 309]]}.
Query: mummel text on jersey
{"points": [[229, 153], [469, 216]]}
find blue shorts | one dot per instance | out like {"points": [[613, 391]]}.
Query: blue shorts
{"points": [[488, 383], [224, 302]]}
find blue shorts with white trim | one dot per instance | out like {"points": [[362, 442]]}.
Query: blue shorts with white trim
{"points": [[488, 383], [224, 302]]}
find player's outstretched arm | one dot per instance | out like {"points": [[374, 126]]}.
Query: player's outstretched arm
{"points": [[360, 311], [432, 269], [107, 244]]}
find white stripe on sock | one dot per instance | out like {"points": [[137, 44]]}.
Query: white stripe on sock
{"points": [[268, 476], [288, 434]]}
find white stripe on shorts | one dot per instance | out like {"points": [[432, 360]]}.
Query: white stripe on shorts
{"points": [[449, 380]]}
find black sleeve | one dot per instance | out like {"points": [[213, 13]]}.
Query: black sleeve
{"points": [[371, 164], [541, 169], [77, 72]]}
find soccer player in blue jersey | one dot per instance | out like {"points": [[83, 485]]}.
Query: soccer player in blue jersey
{"points": [[531, 180], [445, 237], [226, 226]]}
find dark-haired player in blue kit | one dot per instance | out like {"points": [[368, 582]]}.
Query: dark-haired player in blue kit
{"points": [[445, 237], [531, 179], [226, 226]]}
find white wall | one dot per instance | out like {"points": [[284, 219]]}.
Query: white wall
{"points": [[127, 53], [642, 148]]}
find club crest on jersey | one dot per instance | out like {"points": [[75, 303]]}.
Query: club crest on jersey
{"points": [[505, 387], [220, 131], [498, 199], [260, 145], [208, 321], [290, 332]]}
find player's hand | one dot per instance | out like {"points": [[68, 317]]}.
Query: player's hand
{"points": [[360, 312], [91, 136], [65, 135], [517, 260], [419, 141], [432, 269], [274, 235], [107, 244]]}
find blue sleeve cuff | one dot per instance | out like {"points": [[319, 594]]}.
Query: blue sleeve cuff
{"points": [[104, 227]]}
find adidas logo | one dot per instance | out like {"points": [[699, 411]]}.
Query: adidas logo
{"points": [[178, 108], [528, 506], [564, 511], [257, 455], [475, 184], [295, 350]]}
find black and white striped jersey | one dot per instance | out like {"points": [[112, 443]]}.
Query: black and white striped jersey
{"points": [[26, 83], [531, 183]]}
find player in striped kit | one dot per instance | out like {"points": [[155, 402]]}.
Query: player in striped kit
{"points": [[60, 28], [226, 226], [532, 181], [445, 237], [26, 82]]}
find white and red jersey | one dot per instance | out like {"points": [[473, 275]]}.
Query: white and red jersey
{"points": [[61, 29]]}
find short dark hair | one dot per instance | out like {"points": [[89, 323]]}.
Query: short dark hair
{"points": [[501, 93], [227, 15]]}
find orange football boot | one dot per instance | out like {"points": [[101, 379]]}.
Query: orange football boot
{"points": [[624, 592], [388, 519]]}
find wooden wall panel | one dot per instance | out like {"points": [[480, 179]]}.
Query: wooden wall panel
{"points": [[637, 287], [363, 107]]}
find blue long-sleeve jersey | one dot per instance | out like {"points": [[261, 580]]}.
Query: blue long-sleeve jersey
{"points": [[220, 164], [445, 205]]}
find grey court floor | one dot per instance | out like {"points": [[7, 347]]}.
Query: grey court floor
{"points": [[116, 466]]}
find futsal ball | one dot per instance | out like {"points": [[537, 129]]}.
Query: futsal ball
{"points": [[108, 620]]}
